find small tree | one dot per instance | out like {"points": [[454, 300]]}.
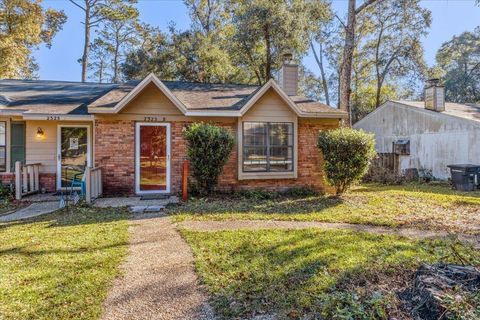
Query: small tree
{"points": [[347, 154], [208, 150]]}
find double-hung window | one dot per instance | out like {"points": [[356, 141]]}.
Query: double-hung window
{"points": [[267, 146], [3, 146]]}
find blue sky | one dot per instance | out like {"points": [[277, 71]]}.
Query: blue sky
{"points": [[450, 17]]}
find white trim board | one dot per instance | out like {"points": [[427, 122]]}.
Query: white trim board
{"points": [[59, 151], [137, 157]]}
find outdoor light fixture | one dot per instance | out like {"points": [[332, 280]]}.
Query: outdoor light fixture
{"points": [[40, 133]]}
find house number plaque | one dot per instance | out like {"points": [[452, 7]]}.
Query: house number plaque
{"points": [[153, 119], [53, 118]]}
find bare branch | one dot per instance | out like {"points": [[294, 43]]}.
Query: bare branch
{"points": [[75, 3]]}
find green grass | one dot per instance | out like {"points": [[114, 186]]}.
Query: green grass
{"points": [[61, 265], [311, 273], [432, 206]]}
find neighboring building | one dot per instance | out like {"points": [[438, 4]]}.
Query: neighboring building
{"points": [[134, 132], [427, 135]]}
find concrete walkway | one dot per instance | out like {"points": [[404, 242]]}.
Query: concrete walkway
{"points": [[158, 279], [33, 210], [133, 202], [272, 224]]}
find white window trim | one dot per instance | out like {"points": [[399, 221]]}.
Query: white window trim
{"points": [[59, 149], [137, 157]]}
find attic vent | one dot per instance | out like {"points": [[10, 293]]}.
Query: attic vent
{"points": [[434, 96]]}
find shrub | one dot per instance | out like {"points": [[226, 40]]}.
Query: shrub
{"points": [[208, 150], [347, 154]]}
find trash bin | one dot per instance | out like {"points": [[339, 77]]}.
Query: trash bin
{"points": [[465, 177]]}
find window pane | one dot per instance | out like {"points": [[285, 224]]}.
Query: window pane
{"points": [[281, 158], [254, 134], [3, 159], [3, 126], [254, 159], [281, 134]]}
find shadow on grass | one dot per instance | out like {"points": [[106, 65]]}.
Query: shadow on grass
{"points": [[442, 188], [295, 270], [284, 205], [75, 216], [28, 252]]}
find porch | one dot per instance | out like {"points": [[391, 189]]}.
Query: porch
{"points": [[27, 184]]}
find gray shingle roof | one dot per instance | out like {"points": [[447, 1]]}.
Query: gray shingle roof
{"points": [[54, 97], [57, 97]]}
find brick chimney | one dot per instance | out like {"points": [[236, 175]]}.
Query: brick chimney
{"points": [[288, 75], [434, 95]]}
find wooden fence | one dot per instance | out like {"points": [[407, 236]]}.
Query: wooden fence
{"points": [[388, 161]]}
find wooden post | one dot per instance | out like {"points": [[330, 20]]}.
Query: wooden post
{"points": [[18, 180], [24, 180], [185, 181], [36, 169], [88, 186], [31, 178]]}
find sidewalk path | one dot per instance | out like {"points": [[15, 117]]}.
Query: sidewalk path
{"points": [[33, 210], [158, 279], [273, 224]]}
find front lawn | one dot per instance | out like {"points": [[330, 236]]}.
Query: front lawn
{"points": [[424, 206], [314, 274], [60, 266]]}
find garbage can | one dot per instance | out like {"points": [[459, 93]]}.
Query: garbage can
{"points": [[465, 177]]}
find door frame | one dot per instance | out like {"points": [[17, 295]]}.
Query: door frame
{"points": [[137, 156], [59, 149]]}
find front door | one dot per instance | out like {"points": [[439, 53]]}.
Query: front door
{"points": [[152, 158], [73, 153]]}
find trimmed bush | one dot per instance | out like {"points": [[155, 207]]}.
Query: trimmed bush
{"points": [[208, 150], [347, 154]]}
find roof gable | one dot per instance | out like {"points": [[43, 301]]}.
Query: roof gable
{"points": [[150, 79], [271, 84]]}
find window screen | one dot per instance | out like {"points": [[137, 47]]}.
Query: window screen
{"points": [[267, 146]]}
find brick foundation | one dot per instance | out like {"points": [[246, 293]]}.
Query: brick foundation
{"points": [[115, 152], [47, 180]]}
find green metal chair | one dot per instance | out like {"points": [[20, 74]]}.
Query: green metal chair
{"points": [[79, 183]]}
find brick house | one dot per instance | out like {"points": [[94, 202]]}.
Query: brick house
{"points": [[133, 131]]}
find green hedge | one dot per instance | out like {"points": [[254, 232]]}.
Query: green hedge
{"points": [[347, 154], [208, 150]]}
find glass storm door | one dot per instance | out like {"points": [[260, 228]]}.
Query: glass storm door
{"points": [[73, 154], [152, 160]]}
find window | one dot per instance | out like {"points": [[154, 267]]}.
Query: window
{"points": [[3, 147], [17, 143], [267, 146]]}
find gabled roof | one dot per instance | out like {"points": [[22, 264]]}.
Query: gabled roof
{"points": [[467, 111], [195, 99]]}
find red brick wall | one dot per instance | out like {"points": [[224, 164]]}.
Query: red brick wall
{"points": [[115, 151], [7, 178], [47, 180], [309, 171]]}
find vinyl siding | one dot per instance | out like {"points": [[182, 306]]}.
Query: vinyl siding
{"points": [[151, 101]]}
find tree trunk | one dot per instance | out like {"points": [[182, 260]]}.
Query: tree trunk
{"points": [[319, 59], [86, 45], [268, 64], [346, 70]]}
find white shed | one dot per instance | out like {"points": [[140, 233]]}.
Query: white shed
{"points": [[443, 134]]}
